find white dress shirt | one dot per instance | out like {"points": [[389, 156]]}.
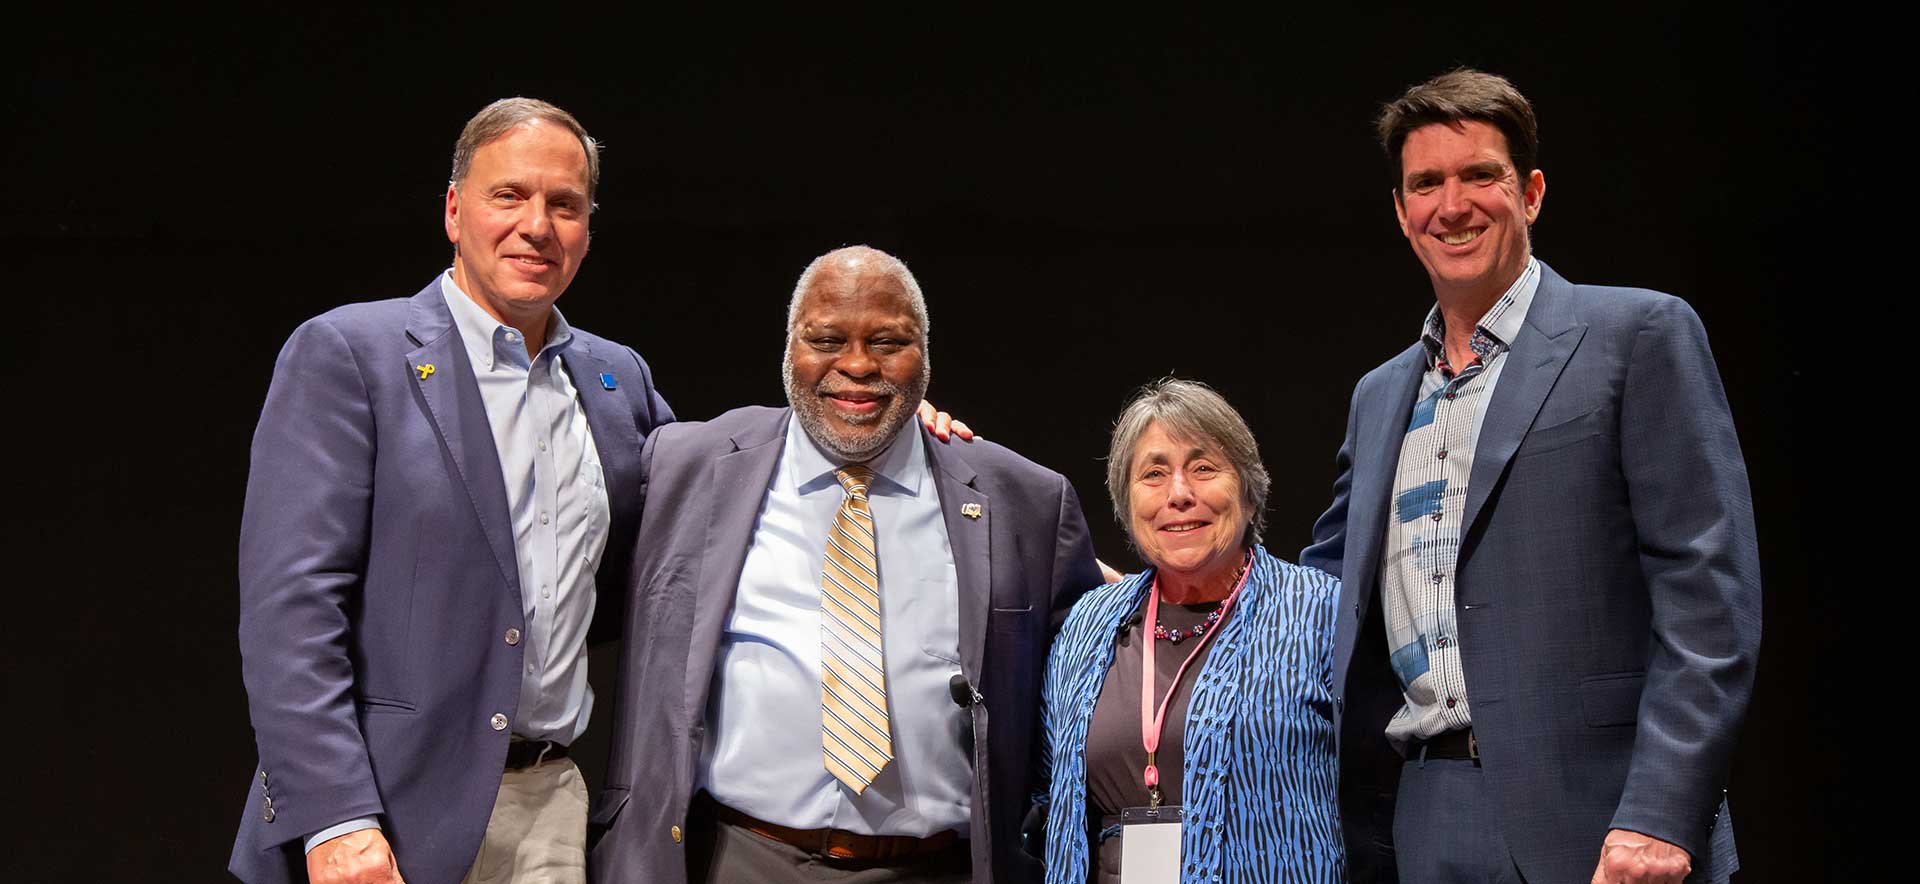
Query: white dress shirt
{"points": [[763, 756], [557, 499]]}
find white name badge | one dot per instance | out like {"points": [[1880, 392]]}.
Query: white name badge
{"points": [[1150, 845]]}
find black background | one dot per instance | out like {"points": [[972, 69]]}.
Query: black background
{"points": [[1088, 207]]}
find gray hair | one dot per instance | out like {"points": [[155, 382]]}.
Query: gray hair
{"points": [[1191, 412], [888, 264], [501, 117]]}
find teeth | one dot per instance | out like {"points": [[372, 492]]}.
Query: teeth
{"points": [[1461, 238], [1181, 528]]}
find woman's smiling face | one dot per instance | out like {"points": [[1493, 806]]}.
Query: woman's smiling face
{"points": [[1185, 501]]}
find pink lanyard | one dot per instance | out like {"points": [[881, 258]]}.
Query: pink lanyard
{"points": [[1151, 722]]}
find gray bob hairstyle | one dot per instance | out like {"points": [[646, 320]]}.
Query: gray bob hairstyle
{"points": [[1191, 412]]}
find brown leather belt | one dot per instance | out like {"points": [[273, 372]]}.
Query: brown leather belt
{"points": [[1447, 744], [840, 844], [522, 754]]}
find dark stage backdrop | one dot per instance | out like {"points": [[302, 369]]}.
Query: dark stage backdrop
{"points": [[1087, 208]]}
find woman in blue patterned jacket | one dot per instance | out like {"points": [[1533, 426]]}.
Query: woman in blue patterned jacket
{"points": [[1236, 731]]}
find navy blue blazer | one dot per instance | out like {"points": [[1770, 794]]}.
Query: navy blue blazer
{"points": [[1608, 585], [378, 580], [1021, 565]]}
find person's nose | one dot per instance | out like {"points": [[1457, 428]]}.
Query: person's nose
{"points": [[1179, 491], [534, 224], [1453, 201], [856, 362]]}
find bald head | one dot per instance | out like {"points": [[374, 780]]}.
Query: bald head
{"points": [[856, 362]]}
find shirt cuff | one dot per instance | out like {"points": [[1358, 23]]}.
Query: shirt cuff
{"points": [[331, 832]]}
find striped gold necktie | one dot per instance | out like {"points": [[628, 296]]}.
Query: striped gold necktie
{"points": [[853, 687]]}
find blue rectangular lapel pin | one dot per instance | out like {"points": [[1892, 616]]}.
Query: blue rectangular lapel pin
{"points": [[606, 380]]}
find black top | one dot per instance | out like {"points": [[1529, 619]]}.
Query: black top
{"points": [[1115, 757]]}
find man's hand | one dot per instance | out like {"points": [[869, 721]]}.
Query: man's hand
{"points": [[1632, 858], [942, 424], [361, 857]]}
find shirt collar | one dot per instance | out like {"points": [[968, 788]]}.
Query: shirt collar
{"points": [[488, 339], [901, 463], [1501, 324]]}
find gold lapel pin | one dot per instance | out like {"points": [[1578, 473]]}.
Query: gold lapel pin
{"points": [[970, 510], [424, 370]]}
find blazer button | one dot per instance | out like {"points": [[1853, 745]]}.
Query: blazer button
{"points": [[513, 636], [267, 815], [675, 832], [499, 721]]}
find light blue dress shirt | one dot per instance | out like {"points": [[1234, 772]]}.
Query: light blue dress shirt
{"points": [[763, 756], [557, 499]]}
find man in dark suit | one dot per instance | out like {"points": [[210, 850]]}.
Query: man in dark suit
{"points": [[1551, 587], [839, 623], [438, 485]]}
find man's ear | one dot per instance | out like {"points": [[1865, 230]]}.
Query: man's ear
{"points": [[1534, 194], [452, 215], [1400, 212]]}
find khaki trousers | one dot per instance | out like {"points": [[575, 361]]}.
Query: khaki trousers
{"points": [[538, 831]]}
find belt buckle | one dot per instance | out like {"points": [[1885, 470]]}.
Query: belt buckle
{"points": [[1473, 746], [830, 850]]}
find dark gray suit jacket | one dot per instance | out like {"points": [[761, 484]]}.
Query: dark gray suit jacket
{"points": [[378, 579], [1021, 565], [1608, 585]]}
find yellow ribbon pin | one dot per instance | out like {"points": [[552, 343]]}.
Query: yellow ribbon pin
{"points": [[424, 370]]}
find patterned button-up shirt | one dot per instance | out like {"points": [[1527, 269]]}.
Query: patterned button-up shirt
{"points": [[1429, 496]]}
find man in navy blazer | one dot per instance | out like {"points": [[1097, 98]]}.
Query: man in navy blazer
{"points": [[1545, 535], [723, 760], [438, 485]]}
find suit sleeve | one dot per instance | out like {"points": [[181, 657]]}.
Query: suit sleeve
{"points": [[1693, 514], [653, 413], [1329, 548], [1074, 568], [303, 548]]}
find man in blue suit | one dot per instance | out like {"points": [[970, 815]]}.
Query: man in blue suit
{"points": [[438, 486], [1551, 602], [839, 627]]}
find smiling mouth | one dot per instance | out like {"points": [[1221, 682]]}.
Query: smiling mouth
{"points": [[1463, 237], [529, 260], [856, 401], [1183, 527]]}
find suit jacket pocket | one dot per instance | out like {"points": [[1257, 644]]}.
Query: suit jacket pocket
{"points": [[606, 807], [1612, 700], [1554, 437], [370, 705]]}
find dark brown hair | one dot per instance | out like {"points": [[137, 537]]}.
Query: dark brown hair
{"points": [[1462, 94]]}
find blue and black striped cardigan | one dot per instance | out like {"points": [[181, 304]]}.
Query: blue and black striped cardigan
{"points": [[1260, 773]]}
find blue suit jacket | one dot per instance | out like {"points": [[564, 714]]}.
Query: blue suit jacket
{"points": [[1021, 565], [378, 579], [1608, 584]]}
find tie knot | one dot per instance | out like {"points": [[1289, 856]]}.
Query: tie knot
{"points": [[854, 478]]}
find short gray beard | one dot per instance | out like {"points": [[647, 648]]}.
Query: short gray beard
{"points": [[826, 429]]}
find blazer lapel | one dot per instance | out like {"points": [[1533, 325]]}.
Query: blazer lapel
{"points": [[442, 376], [970, 538], [738, 487], [609, 415], [1376, 457], [1539, 353]]}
